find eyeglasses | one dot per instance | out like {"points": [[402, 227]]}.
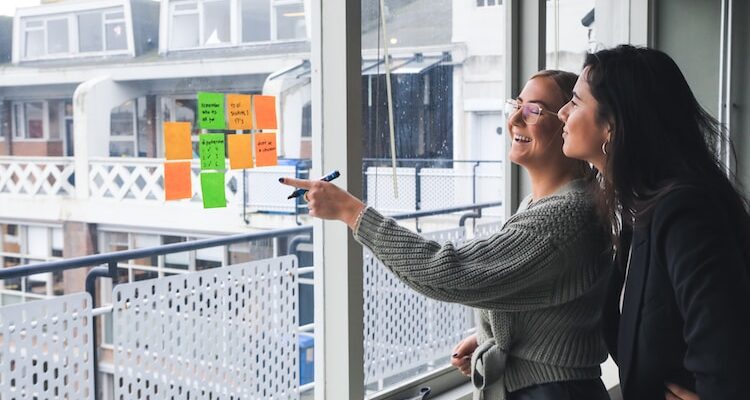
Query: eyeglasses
{"points": [[530, 112]]}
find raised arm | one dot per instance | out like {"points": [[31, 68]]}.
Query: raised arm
{"points": [[514, 269]]}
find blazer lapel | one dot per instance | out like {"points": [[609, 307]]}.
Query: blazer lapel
{"points": [[630, 317]]}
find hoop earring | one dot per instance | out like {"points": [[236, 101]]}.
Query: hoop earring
{"points": [[604, 148]]}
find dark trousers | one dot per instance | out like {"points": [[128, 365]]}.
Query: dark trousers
{"points": [[590, 389]]}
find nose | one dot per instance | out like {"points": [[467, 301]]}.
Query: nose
{"points": [[516, 118], [562, 115]]}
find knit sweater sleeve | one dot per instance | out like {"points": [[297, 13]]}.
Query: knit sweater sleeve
{"points": [[515, 269]]}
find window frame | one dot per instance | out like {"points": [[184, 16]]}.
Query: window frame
{"points": [[18, 130], [235, 24], [71, 14]]}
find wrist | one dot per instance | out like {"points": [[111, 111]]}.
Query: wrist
{"points": [[355, 212]]}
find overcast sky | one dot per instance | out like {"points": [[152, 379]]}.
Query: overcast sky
{"points": [[8, 7]]}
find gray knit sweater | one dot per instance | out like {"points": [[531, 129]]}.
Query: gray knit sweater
{"points": [[537, 285]]}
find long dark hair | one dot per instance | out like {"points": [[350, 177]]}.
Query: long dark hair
{"points": [[661, 137]]}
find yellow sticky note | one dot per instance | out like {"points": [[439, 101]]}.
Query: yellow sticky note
{"points": [[240, 151], [265, 150], [177, 144], [238, 110], [177, 183], [265, 112]]}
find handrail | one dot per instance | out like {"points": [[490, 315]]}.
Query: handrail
{"points": [[118, 256]]}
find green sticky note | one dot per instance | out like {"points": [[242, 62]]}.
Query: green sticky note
{"points": [[212, 189], [211, 111], [212, 151]]}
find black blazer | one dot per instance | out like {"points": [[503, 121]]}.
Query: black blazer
{"points": [[686, 310]]}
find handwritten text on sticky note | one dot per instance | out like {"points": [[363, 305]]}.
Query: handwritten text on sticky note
{"points": [[212, 151], [265, 150], [211, 110], [238, 111]]}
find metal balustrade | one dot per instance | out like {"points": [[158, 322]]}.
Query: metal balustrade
{"points": [[226, 332]]}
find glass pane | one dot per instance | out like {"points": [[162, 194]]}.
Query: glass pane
{"points": [[256, 20], [146, 126], [90, 32], [57, 36], [176, 260], [121, 122], [114, 16], [184, 31], [37, 242], [445, 146], [142, 241], [35, 120], [216, 22], [55, 111], [569, 33], [34, 43], [116, 37], [290, 22], [121, 149]]}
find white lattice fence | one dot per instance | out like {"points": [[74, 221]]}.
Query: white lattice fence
{"points": [[225, 333], [403, 329], [144, 180], [45, 349], [48, 176]]}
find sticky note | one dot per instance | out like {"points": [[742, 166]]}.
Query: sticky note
{"points": [[240, 151], [238, 112], [212, 188], [212, 151], [265, 150], [177, 144], [265, 112], [211, 111], [177, 180]]}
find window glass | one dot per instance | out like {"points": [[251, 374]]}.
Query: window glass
{"points": [[184, 31], [256, 20], [116, 37], [90, 32], [34, 43], [570, 25], [447, 124], [216, 22], [34, 113], [290, 22], [57, 36], [55, 116]]}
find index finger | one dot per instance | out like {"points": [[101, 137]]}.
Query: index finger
{"points": [[298, 183]]}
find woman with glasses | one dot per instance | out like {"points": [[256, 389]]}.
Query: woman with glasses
{"points": [[537, 284], [677, 319]]}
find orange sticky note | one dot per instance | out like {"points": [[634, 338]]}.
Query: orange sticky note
{"points": [[265, 112], [240, 151], [177, 144], [177, 180], [265, 150], [238, 112]]}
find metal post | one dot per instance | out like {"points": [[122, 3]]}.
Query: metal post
{"points": [[94, 273]]}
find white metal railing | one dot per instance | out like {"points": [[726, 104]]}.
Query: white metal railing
{"points": [[36, 176]]}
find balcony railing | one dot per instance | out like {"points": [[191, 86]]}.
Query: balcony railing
{"points": [[37, 176], [422, 183], [231, 331]]}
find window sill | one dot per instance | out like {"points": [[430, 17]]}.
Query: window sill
{"points": [[445, 383]]}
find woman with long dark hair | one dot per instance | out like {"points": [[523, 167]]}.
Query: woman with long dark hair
{"points": [[677, 319], [537, 284]]}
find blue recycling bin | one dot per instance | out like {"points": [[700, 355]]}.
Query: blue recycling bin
{"points": [[306, 359]]}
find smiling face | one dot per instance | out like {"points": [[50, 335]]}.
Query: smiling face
{"points": [[538, 144], [583, 133]]}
